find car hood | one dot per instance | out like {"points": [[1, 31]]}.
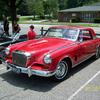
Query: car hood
{"points": [[43, 45]]}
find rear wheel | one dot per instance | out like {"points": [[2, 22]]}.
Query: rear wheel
{"points": [[97, 55], [62, 71]]}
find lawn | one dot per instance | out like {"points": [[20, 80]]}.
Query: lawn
{"points": [[29, 20]]}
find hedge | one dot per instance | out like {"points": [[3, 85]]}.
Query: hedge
{"points": [[75, 20], [97, 20]]}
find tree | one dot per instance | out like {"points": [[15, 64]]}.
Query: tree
{"points": [[35, 7], [76, 3], [23, 8], [11, 7], [3, 9], [88, 2], [31, 7], [62, 4], [72, 3], [51, 7], [39, 9]]}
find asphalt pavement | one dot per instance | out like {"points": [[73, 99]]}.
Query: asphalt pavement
{"points": [[25, 28], [82, 84]]}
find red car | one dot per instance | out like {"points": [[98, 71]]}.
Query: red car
{"points": [[61, 49]]}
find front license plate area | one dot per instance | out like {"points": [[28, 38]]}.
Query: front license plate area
{"points": [[16, 70]]}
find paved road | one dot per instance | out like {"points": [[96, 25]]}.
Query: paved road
{"points": [[38, 27], [25, 27], [82, 84]]}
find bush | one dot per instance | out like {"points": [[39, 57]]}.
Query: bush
{"points": [[1, 18], [0, 15], [75, 20], [97, 20], [9, 18], [42, 17]]}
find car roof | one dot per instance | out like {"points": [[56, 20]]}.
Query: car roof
{"points": [[72, 27]]}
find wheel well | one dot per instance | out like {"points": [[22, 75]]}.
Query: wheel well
{"points": [[68, 60]]}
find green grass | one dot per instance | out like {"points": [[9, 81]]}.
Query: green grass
{"points": [[25, 18], [60, 23], [30, 20]]}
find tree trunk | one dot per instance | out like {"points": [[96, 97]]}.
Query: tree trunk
{"points": [[13, 12]]}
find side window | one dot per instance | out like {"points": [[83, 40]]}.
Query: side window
{"points": [[85, 35]]}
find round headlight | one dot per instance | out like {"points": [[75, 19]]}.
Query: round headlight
{"points": [[7, 51], [47, 59]]}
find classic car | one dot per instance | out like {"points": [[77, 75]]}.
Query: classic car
{"points": [[62, 48]]}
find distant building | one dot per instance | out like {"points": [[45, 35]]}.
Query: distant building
{"points": [[84, 13]]}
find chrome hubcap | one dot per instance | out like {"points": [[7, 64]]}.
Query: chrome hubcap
{"points": [[62, 70]]}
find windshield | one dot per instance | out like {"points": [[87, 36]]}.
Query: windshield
{"points": [[70, 34]]}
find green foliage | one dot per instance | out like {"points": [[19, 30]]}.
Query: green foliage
{"points": [[48, 9], [51, 8], [40, 8], [62, 4], [75, 20], [8, 8], [23, 8], [89, 2], [26, 18], [43, 7], [35, 7], [97, 20], [72, 3], [0, 18], [3, 8]]}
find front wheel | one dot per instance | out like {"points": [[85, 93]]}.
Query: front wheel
{"points": [[62, 71]]}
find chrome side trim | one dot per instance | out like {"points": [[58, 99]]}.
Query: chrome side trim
{"points": [[83, 61], [65, 46]]}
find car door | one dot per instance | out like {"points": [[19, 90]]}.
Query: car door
{"points": [[86, 44]]}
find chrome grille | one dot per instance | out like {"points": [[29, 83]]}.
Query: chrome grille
{"points": [[19, 58]]}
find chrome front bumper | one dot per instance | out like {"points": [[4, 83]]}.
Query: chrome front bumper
{"points": [[28, 70]]}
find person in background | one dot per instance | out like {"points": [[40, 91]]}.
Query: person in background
{"points": [[16, 28], [6, 25], [31, 33], [16, 31]]}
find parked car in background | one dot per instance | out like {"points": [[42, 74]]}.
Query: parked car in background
{"points": [[7, 40], [62, 48]]}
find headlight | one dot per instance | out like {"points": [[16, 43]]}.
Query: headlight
{"points": [[47, 59], [7, 51]]}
